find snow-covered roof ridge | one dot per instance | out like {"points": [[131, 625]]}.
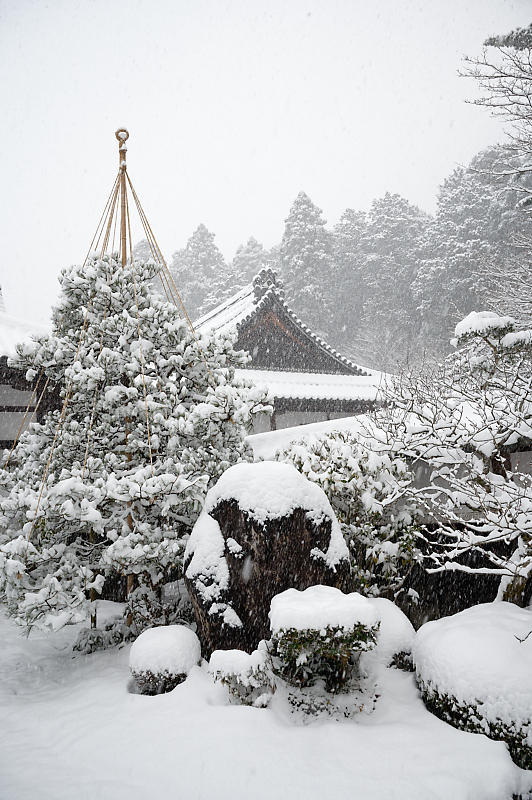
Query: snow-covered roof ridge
{"points": [[265, 289], [317, 385]]}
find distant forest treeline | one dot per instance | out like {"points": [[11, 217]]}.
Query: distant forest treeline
{"points": [[385, 286]]}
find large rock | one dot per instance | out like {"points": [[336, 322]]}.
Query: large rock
{"points": [[265, 528]]}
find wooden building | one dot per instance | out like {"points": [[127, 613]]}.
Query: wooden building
{"points": [[309, 380]]}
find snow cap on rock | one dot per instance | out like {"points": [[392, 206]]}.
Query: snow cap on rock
{"points": [[271, 489]]}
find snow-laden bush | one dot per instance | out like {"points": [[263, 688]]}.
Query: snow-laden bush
{"points": [[318, 636], [114, 481], [248, 676], [161, 658], [366, 490], [395, 638], [325, 655], [464, 425], [474, 671]]}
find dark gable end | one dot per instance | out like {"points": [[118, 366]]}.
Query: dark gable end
{"points": [[278, 340]]}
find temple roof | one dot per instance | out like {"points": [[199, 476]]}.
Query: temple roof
{"points": [[266, 293]]}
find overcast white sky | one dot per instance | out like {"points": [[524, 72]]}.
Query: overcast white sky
{"points": [[233, 106]]}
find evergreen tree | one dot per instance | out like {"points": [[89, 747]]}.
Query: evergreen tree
{"points": [[306, 259], [248, 261], [199, 271], [113, 481], [391, 249], [349, 287], [478, 224]]}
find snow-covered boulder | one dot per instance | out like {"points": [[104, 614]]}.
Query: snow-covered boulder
{"points": [[161, 658], [474, 671], [264, 528]]}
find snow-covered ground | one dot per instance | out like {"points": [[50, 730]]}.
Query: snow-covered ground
{"points": [[70, 729]]}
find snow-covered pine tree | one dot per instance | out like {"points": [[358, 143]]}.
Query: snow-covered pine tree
{"points": [[477, 229], [391, 249], [200, 272], [249, 259], [113, 481], [348, 279], [306, 259]]}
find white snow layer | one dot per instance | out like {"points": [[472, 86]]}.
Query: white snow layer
{"points": [[476, 656], [269, 490], [170, 648], [480, 321], [14, 331], [320, 607], [313, 385], [70, 729], [396, 632], [225, 663], [265, 445], [206, 544]]}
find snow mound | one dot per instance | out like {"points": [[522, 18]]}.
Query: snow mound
{"points": [[228, 663], [480, 321], [396, 632], [476, 657], [172, 648], [271, 489], [320, 607]]}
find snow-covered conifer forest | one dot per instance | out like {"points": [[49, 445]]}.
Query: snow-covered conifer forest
{"points": [[266, 510]]}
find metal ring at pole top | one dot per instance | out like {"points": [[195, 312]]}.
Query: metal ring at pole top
{"points": [[122, 134]]}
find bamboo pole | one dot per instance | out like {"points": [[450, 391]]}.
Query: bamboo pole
{"points": [[122, 136]]}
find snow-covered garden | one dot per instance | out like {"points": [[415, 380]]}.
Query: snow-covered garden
{"points": [[189, 609]]}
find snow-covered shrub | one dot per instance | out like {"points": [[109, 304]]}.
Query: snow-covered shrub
{"points": [[248, 677], [161, 658], [318, 636], [396, 636], [366, 489], [89, 640], [463, 425], [114, 481], [474, 671]]}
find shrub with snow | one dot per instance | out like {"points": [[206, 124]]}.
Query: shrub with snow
{"points": [[474, 671], [248, 676], [319, 634], [396, 635], [365, 488], [161, 658], [463, 424]]}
